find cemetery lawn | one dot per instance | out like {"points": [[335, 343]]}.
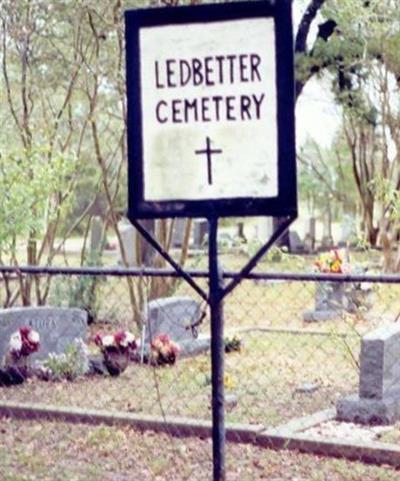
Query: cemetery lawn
{"points": [[392, 435], [269, 378], [55, 451]]}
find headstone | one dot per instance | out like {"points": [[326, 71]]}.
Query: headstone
{"points": [[146, 251], [128, 237], [57, 327], [378, 399], [330, 300], [200, 229], [137, 250], [296, 246], [225, 239], [265, 228], [327, 239], [283, 240], [96, 233], [240, 232], [178, 232], [310, 236], [347, 230], [177, 317]]}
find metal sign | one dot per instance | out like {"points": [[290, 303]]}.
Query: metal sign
{"points": [[211, 111]]}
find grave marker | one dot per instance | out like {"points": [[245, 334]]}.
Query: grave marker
{"points": [[96, 234], [128, 237], [378, 400], [57, 327], [200, 229], [178, 232], [175, 316]]}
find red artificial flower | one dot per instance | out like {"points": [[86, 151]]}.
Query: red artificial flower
{"points": [[30, 340], [98, 339], [119, 337]]}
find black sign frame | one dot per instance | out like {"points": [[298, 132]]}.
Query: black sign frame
{"points": [[285, 203]]}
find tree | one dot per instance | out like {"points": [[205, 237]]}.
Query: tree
{"points": [[63, 86]]}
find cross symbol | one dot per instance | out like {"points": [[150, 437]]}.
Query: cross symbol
{"points": [[208, 151]]}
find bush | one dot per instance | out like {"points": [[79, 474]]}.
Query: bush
{"points": [[69, 365]]}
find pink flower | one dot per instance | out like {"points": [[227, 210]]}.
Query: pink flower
{"points": [[121, 340], [164, 350], [25, 341]]}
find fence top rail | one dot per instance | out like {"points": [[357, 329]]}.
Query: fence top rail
{"points": [[167, 272]]}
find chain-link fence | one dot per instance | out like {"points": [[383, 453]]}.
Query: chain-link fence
{"points": [[292, 346]]}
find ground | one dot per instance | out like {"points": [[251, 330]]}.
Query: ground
{"points": [[280, 356], [47, 451]]}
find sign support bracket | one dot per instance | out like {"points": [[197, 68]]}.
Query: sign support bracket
{"points": [[283, 226], [215, 297], [163, 253]]}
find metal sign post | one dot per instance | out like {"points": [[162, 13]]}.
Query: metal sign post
{"points": [[217, 351], [210, 92]]}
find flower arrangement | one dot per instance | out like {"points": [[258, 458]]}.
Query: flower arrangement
{"points": [[164, 350], [116, 350], [24, 342], [232, 344], [332, 262], [120, 342]]}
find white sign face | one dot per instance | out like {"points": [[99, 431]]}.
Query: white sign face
{"points": [[209, 110]]}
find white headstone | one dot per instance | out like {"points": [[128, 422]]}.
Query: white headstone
{"points": [[265, 228], [96, 232], [128, 236], [178, 232]]}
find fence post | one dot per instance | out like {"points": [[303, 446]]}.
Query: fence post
{"points": [[217, 352]]}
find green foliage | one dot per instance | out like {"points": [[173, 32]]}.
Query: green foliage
{"points": [[326, 176], [68, 365], [388, 195], [274, 254], [30, 183], [81, 292]]}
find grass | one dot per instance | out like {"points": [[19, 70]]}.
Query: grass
{"points": [[392, 435], [49, 451], [266, 376]]}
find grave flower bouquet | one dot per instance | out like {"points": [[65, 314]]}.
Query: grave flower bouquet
{"points": [[116, 350], [121, 342], [163, 350], [350, 296], [332, 262], [24, 342]]}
